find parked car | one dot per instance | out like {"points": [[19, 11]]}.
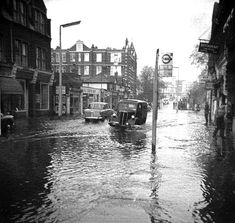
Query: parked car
{"points": [[97, 111], [129, 112]]}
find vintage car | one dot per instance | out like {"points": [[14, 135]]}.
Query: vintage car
{"points": [[129, 112], [97, 111]]}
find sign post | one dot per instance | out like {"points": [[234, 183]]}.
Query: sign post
{"points": [[155, 104]]}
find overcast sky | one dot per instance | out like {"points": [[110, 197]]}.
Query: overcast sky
{"points": [[170, 25]]}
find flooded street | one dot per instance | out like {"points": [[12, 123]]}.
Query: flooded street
{"points": [[71, 171]]}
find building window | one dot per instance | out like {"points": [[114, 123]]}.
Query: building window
{"points": [[40, 58], [79, 57], [63, 57], [86, 70], [57, 69], [42, 96], [72, 57], [19, 12], [24, 54], [99, 57], [98, 69], [57, 57], [52, 58], [21, 53], [116, 70], [40, 21], [79, 70], [63, 69], [86, 57], [2, 57], [116, 57]]}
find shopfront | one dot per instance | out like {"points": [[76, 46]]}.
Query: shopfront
{"points": [[90, 95], [13, 93]]}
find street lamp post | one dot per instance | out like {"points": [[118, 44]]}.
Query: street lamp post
{"points": [[60, 65]]}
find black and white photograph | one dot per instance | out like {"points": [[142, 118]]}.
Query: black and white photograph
{"points": [[117, 111]]}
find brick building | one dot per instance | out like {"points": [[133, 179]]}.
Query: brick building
{"points": [[112, 71], [26, 77], [221, 64]]}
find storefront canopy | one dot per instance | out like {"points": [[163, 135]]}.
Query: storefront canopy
{"points": [[9, 85]]}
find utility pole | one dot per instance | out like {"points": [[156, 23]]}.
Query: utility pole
{"points": [[155, 104], [60, 64]]}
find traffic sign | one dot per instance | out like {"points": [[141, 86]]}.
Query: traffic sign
{"points": [[166, 65], [166, 59]]}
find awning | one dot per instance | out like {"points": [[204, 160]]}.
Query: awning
{"points": [[9, 85]]}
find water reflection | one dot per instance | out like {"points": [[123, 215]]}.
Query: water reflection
{"points": [[218, 186], [64, 175], [23, 176]]}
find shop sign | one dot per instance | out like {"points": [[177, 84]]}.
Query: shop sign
{"points": [[208, 48], [90, 90], [165, 70]]}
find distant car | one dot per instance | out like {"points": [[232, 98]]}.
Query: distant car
{"points": [[98, 111]]}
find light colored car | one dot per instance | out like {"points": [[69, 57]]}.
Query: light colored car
{"points": [[98, 111]]}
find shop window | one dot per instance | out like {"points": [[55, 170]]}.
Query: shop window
{"points": [[42, 96], [11, 103], [21, 53]]}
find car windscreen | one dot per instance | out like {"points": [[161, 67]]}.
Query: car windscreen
{"points": [[126, 106]]}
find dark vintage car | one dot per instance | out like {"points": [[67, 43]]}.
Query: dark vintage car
{"points": [[98, 111], [129, 112]]}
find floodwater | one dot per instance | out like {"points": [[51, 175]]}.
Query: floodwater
{"points": [[71, 171]]}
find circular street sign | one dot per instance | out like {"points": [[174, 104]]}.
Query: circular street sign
{"points": [[166, 58]]}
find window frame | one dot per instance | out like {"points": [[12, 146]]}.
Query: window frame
{"points": [[86, 57], [21, 58], [47, 85], [19, 12], [86, 70], [40, 58], [98, 57]]}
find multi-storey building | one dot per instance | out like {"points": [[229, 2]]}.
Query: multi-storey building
{"points": [[113, 71], [26, 77], [221, 64]]}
